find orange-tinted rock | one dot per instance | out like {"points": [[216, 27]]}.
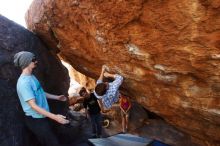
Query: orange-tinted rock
{"points": [[168, 52]]}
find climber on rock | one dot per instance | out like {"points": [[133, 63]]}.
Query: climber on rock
{"points": [[34, 101], [125, 106], [107, 93]]}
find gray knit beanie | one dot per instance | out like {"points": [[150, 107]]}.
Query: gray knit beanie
{"points": [[23, 59]]}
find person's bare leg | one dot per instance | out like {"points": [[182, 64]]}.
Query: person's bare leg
{"points": [[123, 123], [126, 122]]}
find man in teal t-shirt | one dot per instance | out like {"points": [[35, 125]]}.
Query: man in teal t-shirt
{"points": [[28, 88], [33, 101]]}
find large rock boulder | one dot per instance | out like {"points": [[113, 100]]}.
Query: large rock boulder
{"points": [[51, 73], [168, 52]]}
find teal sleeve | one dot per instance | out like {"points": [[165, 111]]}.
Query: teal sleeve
{"points": [[26, 91]]}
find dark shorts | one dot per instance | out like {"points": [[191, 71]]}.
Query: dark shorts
{"points": [[125, 115]]}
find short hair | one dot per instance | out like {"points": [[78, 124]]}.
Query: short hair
{"points": [[101, 89], [83, 89]]}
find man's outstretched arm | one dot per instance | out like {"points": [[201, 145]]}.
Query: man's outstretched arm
{"points": [[59, 118], [76, 99], [100, 79], [56, 97], [118, 79]]}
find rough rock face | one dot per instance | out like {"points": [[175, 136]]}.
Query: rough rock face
{"points": [[14, 38], [168, 52]]}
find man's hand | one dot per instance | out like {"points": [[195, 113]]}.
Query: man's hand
{"points": [[61, 98], [61, 119], [104, 67]]}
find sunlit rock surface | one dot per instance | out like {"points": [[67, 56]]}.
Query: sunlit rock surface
{"points": [[78, 77], [168, 52]]}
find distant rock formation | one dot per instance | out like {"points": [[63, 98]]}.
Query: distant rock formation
{"points": [[168, 52]]}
